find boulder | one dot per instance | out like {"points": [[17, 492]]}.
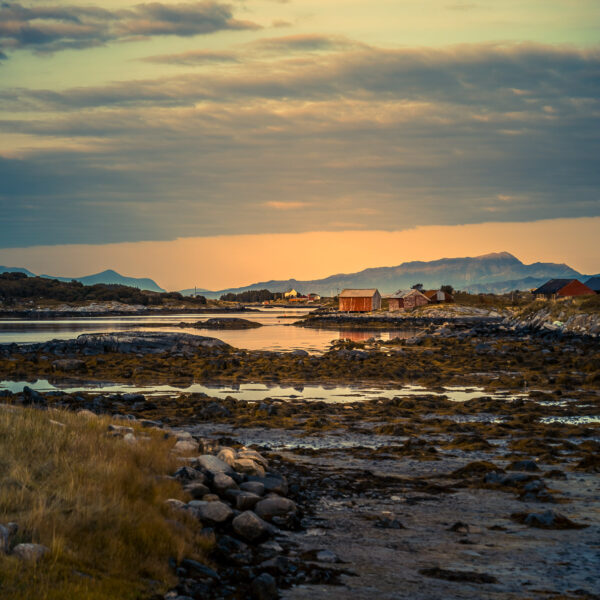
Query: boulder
{"points": [[86, 414], [185, 446], [175, 504], [253, 455], [246, 500], [197, 570], [213, 464], [68, 364], [227, 455], [186, 473], [214, 513], [255, 487], [248, 466], [30, 552], [221, 483], [272, 483], [196, 490], [275, 507], [250, 526], [264, 587]]}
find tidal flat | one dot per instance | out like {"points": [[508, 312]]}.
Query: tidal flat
{"points": [[401, 490]]}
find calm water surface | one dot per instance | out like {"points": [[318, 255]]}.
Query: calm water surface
{"points": [[260, 391], [276, 334]]}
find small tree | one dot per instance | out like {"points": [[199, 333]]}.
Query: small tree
{"points": [[417, 286], [448, 289]]}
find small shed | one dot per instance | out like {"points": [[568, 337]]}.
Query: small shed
{"points": [[438, 296], [291, 294], [360, 300], [562, 288], [405, 299]]}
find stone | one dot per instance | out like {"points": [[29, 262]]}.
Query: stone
{"points": [[250, 526], [86, 414], [253, 455], [186, 473], [227, 455], [185, 446], [272, 483], [197, 570], [246, 500], [175, 504], [213, 464], [299, 352], [214, 512], [221, 483], [255, 487], [30, 552], [326, 556], [547, 520], [264, 587], [275, 506], [196, 490], [248, 466], [68, 364], [210, 498]]}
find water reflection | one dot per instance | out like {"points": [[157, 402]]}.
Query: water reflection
{"points": [[277, 333], [258, 392]]}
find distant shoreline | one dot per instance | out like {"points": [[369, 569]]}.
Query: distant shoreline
{"points": [[60, 314]]}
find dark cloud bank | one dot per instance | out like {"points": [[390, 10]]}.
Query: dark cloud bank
{"points": [[358, 137], [51, 28]]}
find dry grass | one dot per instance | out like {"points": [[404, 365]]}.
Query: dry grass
{"points": [[96, 501]]}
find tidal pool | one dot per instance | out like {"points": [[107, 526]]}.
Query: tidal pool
{"points": [[259, 391]]}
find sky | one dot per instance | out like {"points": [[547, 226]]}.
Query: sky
{"points": [[215, 133]]}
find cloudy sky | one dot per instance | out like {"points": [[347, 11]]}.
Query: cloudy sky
{"points": [[167, 123]]}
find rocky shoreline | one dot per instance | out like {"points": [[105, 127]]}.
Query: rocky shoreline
{"points": [[132, 311], [489, 354], [486, 498]]}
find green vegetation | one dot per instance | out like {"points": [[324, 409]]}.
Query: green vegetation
{"points": [[97, 502], [252, 296], [15, 287]]}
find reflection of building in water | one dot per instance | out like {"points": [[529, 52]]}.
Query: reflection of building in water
{"points": [[358, 336]]}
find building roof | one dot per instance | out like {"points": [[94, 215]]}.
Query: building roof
{"points": [[369, 293], [405, 293], [553, 286], [430, 293], [594, 283]]}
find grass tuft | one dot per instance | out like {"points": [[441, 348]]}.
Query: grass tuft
{"points": [[96, 501]]}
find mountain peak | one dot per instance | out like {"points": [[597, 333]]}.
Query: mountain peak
{"points": [[499, 256]]}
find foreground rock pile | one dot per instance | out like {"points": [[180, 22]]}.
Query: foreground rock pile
{"points": [[244, 507]]}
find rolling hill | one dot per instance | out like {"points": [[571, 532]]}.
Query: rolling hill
{"points": [[109, 277]]}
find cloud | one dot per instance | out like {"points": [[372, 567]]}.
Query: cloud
{"points": [[303, 43], [48, 29], [420, 136], [193, 57], [278, 205], [508, 77], [277, 47]]}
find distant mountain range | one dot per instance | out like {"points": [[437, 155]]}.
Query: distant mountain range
{"points": [[109, 277], [498, 273]]}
